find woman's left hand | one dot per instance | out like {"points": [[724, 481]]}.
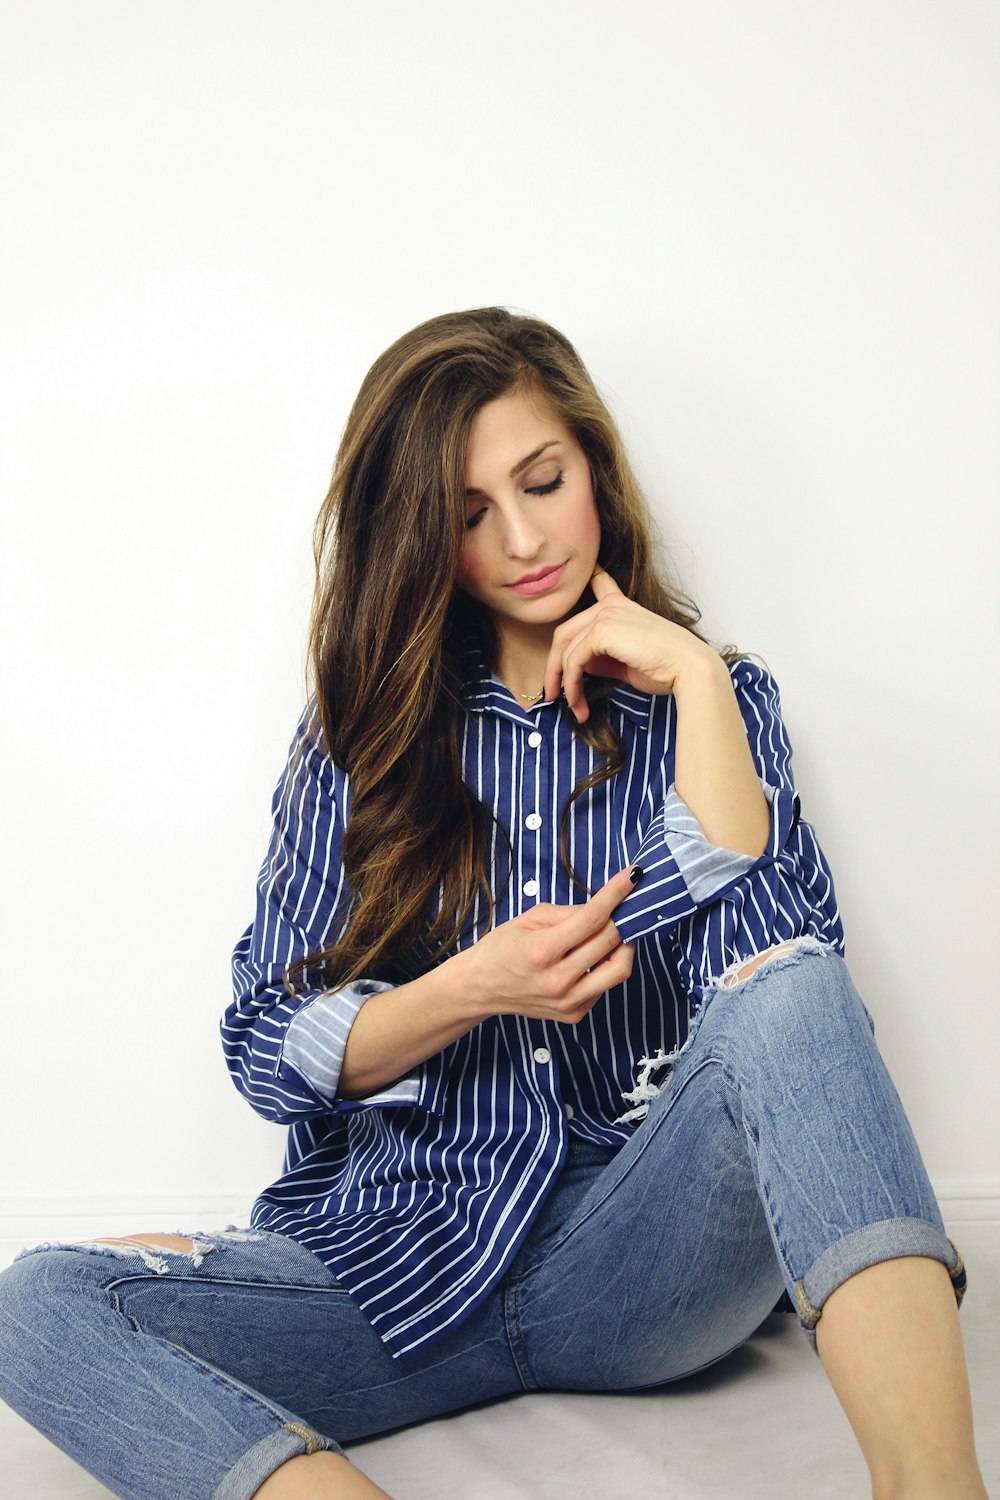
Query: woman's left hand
{"points": [[618, 638]]}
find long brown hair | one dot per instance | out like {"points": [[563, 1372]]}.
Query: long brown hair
{"points": [[389, 623]]}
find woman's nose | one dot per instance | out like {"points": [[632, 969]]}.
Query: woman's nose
{"points": [[522, 537]]}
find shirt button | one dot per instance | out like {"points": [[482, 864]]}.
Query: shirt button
{"points": [[534, 739], [542, 1055], [530, 887], [570, 1111], [533, 820]]}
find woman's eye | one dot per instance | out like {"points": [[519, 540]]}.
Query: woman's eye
{"points": [[536, 489], [546, 489]]}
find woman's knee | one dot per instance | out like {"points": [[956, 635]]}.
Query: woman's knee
{"points": [[734, 975], [40, 1277], [799, 996], [37, 1294]]}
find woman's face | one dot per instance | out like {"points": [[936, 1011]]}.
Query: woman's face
{"points": [[532, 528]]}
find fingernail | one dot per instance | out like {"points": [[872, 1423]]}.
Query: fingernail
{"points": [[635, 874]]}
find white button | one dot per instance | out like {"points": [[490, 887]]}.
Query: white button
{"points": [[530, 887], [542, 1055], [533, 820], [570, 1111], [534, 739]]}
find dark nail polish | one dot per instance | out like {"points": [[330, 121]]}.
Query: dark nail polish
{"points": [[635, 874]]}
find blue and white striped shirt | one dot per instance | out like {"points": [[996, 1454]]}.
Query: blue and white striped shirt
{"points": [[418, 1197]]}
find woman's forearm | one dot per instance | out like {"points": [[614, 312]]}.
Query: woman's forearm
{"points": [[714, 771], [396, 1030]]}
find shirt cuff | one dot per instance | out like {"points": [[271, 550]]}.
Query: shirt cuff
{"points": [[705, 868], [708, 869], [316, 1039]]}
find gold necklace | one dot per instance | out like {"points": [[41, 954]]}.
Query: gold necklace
{"points": [[531, 697]]}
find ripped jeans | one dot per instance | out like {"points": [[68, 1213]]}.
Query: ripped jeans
{"points": [[777, 1155]]}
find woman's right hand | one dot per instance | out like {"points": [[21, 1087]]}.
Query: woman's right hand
{"points": [[552, 962]]}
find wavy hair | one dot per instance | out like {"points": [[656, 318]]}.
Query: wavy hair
{"points": [[389, 623]]}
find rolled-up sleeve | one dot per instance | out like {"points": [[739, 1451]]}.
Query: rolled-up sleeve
{"points": [[316, 1039], [721, 906], [284, 1050]]}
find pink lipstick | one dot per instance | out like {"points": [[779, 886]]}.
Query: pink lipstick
{"points": [[539, 583]]}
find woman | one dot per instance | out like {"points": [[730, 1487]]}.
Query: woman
{"points": [[546, 979]]}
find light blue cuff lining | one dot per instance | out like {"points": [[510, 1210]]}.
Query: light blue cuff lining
{"points": [[706, 868], [316, 1039]]}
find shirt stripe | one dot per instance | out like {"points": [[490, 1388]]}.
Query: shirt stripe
{"points": [[418, 1197]]}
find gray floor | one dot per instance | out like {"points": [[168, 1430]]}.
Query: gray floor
{"points": [[762, 1426]]}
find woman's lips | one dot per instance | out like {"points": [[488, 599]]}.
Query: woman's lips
{"points": [[539, 585]]}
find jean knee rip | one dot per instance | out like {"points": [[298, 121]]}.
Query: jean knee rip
{"points": [[154, 1257], [889, 1240], [782, 955], [785, 954]]}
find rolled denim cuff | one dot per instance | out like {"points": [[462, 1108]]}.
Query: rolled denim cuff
{"points": [[259, 1462], [888, 1239]]}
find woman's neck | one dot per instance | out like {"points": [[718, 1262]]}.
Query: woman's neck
{"points": [[521, 663]]}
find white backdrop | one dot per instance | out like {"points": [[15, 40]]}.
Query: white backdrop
{"points": [[772, 231]]}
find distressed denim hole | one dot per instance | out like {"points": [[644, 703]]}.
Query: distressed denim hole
{"points": [[780, 955]]}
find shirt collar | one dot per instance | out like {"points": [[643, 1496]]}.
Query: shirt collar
{"points": [[484, 693]]}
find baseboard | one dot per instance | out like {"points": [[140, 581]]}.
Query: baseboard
{"points": [[36, 1220], [975, 1201]]}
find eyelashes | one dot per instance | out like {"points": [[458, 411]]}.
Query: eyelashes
{"points": [[536, 489], [546, 489]]}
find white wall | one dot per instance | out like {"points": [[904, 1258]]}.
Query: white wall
{"points": [[772, 231]]}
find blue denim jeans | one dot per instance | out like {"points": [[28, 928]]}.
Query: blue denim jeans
{"points": [[777, 1156]]}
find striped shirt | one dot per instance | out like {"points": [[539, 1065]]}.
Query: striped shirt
{"points": [[418, 1197]]}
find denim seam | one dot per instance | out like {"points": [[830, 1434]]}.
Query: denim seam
{"points": [[219, 1376], [766, 1203], [515, 1339], [225, 1281]]}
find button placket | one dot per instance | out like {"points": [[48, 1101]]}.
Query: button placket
{"points": [[533, 821]]}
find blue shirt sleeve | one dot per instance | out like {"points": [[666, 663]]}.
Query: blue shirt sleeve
{"points": [[284, 1051], [724, 907]]}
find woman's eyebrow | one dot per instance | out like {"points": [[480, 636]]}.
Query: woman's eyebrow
{"points": [[522, 463]]}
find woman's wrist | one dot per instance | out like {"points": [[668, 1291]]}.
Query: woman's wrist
{"points": [[701, 675], [458, 986], [401, 1028]]}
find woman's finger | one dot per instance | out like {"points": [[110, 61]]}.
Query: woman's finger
{"points": [[588, 954], [590, 917], [575, 655], [570, 637], [561, 637], [603, 977], [602, 584]]}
